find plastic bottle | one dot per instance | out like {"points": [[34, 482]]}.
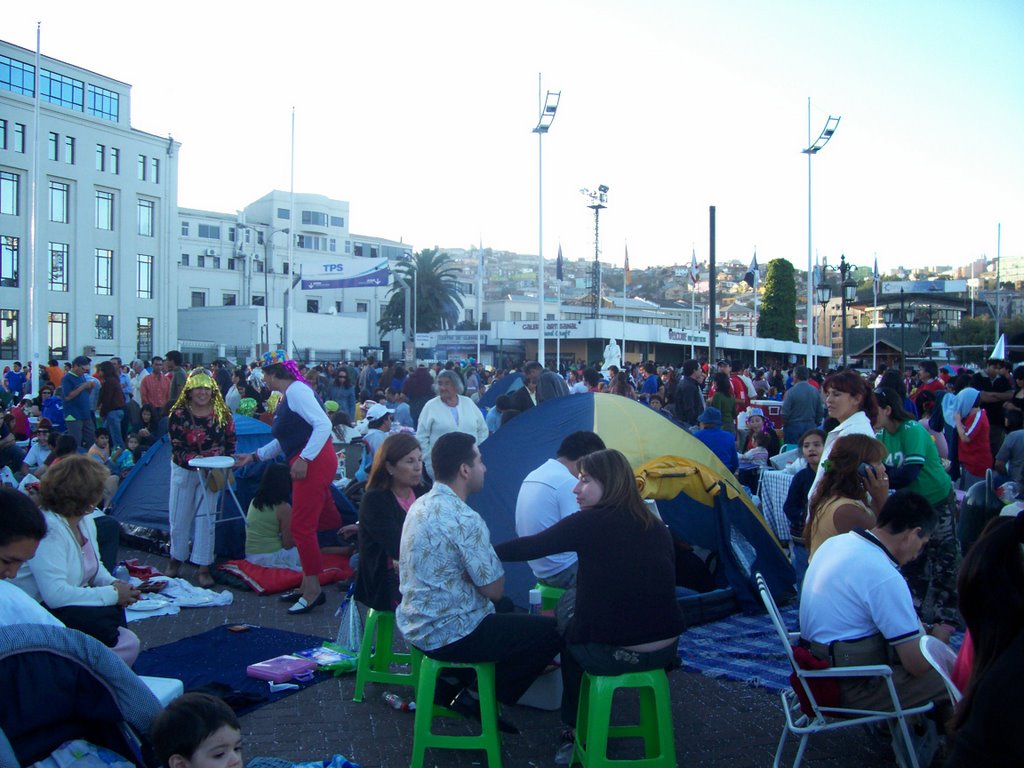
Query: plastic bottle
{"points": [[535, 601], [395, 701], [121, 573]]}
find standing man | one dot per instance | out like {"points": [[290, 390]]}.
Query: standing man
{"points": [[176, 373], [450, 577], [651, 382], [526, 396], [139, 373], [928, 374], [802, 407], [76, 390], [689, 400], [996, 389], [14, 382], [54, 372], [155, 389], [222, 376]]}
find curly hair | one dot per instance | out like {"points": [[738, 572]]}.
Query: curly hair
{"points": [[73, 486], [840, 479]]}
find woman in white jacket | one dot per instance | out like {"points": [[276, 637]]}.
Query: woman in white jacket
{"points": [[66, 573], [450, 411]]}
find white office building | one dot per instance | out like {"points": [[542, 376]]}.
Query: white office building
{"points": [[103, 252]]}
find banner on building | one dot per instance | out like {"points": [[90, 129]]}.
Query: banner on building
{"points": [[343, 272]]}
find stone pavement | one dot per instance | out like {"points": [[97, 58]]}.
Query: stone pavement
{"points": [[717, 723]]}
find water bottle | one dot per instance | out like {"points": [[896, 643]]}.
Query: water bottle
{"points": [[395, 701], [535, 602], [121, 573]]}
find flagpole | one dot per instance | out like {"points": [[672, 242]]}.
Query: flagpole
{"points": [[625, 285], [558, 320], [33, 347], [874, 319], [480, 298], [693, 311], [756, 271]]}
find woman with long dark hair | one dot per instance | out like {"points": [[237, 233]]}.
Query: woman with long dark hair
{"points": [[724, 399], [853, 488], [111, 402], [991, 586], [268, 530], [627, 618], [393, 485], [850, 401]]}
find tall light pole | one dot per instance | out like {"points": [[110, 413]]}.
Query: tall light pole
{"points": [[547, 106], [848, 294], [598, 201], [267, 238], [812, 149]]}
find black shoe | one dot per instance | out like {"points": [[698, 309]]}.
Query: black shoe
{"points": [[468, 707], [290, 596], [301, 606]]}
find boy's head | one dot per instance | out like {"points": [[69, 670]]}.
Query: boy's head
{"points": [[197, 731], [102, 437]]}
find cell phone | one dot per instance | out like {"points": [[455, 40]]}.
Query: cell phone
{"points": [[865, 468]]}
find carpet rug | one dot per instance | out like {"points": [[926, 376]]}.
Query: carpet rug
{"points": [[215, 662]]}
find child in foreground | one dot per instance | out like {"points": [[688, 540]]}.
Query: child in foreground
{"points": [[197, 730]]}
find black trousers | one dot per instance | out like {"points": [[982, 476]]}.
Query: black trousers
{"points": [[520, 645]]}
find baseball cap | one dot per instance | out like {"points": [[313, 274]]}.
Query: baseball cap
{"points": [[377, 411]]}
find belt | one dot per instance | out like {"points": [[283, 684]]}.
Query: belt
{"points": [[851, 653]]}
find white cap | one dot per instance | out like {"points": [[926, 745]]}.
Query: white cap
{"points": [[377, 411]]}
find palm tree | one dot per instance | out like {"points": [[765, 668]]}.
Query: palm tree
{"points": [[437, 301]]}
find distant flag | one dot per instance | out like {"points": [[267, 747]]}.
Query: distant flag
{"points": [[694, 272], [558, 264], [627, 279], [877, 278], [751, 277]]}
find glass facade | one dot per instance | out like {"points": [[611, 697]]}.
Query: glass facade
{"points": [[144, 276], [8, 333], [104, 259], [17, 76], [144, 338], [105, 327], [61, 90], [104, 210], [10, 187], [57, 334], [9, 254], [146, 213], [60, 198], [103, 103], [58, 279]]}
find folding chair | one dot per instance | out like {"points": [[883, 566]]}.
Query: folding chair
{"points": [[942, 658], [803, 723]]}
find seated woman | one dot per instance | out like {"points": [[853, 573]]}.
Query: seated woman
{"points": [[756, 424], [627, 618], [66, 573], [101, 452], [268, 534], [22, 527], [853, 488], [991, 588], [39, 450], [148, 430], [393, 486]]}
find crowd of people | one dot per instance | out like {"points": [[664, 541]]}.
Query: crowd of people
{"points": [[877, 460]]}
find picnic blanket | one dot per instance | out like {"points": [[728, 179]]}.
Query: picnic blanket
{"points": [[215, 661]]}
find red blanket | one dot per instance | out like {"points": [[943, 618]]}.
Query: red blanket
{"points": [[267, 581]]}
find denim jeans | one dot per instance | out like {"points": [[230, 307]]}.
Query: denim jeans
{"points": [[113, 422]]}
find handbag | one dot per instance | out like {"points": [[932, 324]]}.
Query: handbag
{"points": [[99, 621], [350, 626]]}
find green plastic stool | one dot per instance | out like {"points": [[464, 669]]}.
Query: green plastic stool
{"points": [[549, 596], [488, 739], [593, 720], [376, 656]]}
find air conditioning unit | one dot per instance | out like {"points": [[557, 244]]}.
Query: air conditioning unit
{"points": [[211, 251]]}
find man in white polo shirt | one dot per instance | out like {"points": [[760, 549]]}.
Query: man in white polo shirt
{"points": [[856, 607]]}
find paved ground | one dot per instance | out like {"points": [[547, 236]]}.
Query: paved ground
{"points": [[717, 723]]}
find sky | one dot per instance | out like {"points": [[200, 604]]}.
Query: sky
{"points": [[421, 116]]}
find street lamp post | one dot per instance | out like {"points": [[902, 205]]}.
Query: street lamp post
{"points": [[266, 270], [823, 294], [905, 316], [547, 107], [849, 294], [812, 149], [598, 201]]}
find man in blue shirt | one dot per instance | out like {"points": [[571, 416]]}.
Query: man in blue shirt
{"points": [[76, 388], [721, 443], [14, 381], [651, 382]]}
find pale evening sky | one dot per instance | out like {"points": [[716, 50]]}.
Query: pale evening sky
{"points": [[420, 115]]}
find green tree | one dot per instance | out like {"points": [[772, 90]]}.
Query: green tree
{"points": [[437, 301], [777, 310]]}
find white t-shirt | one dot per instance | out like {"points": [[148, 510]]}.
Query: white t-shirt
{"points": [[579, 388], [37, 454], [546, 497], [853, 589], [16, 607]]}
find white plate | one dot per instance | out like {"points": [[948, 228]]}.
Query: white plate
{"points": [[212, 462], [145, 606]]}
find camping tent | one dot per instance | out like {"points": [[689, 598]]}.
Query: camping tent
{"points": [[141, 501], [722, 519], [506, 385]]}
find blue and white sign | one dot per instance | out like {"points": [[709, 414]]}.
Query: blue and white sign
{"points": [[343, 272]]}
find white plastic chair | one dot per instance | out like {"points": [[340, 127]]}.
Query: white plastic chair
{"points": [[942, 658], [832, 718]]}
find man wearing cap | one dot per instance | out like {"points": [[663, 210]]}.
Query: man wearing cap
{"points": [[802, 407], [39, 450], [378, 427], [996, 388], [76, 389], [721, 443]]}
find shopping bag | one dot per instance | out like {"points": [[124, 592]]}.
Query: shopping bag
{"points": [[350, 625]]}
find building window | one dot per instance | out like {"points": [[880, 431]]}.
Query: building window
{"points": [[19, 137], [258, 301], [229, 299], [362, 306], [259, 237], [10, 184], [53, 146], [101, 158], [184, 229], [141, 170], [57, 334], [154, 170], [198, 298], [200, 260], [58, 280], [314, 218], [231, 234], [216, 262], [60, 197], [104, 259], [17, 76], [69, 150], [8, 333], [357, 249], [115, 160], [284, 267], [146, 210], [104, 210], [257, 266], [231, 264], [144, 276], [348, 246], [373, 252], [3, 134], [531, 315], [516, 316], [313, 306], [284, 213], [103, 103], [105, 327], [61, 90], [337, 307], [184, 259], [337, 221], [209, 231], [144, 338], [9, 257]]}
